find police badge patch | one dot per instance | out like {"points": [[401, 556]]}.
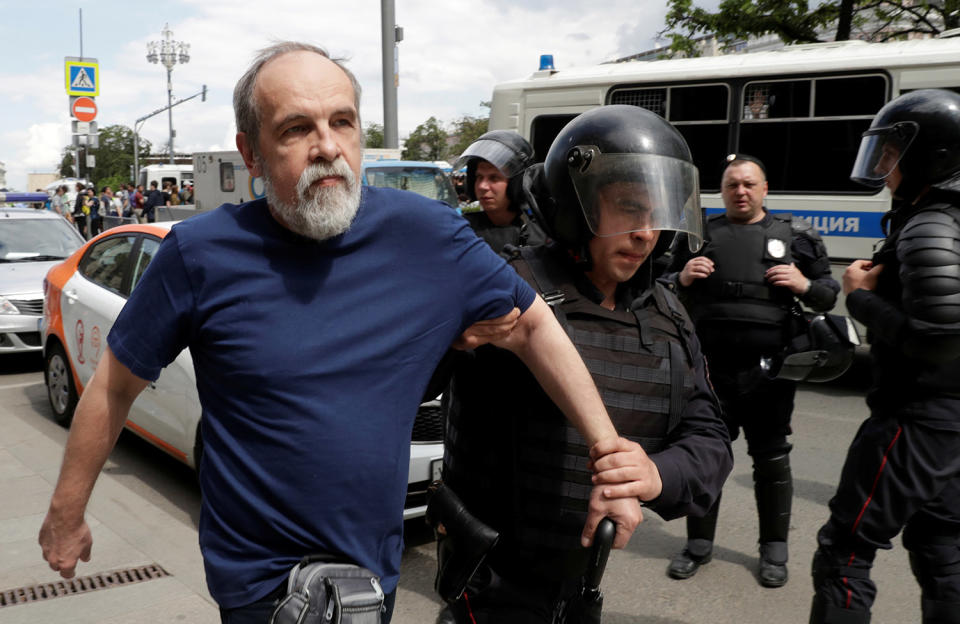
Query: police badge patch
{"points": [[776, 248]]}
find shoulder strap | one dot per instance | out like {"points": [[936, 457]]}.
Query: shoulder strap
{"points": [[547, 282]]}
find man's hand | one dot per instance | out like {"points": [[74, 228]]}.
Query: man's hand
{"points": [[696, 268], [788, 276], [491, 330], [64, 543], [861, 274], [625, 513], [623, 470]]}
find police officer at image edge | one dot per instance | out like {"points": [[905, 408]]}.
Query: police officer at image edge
{"points": [[509, 456], [510, 154], [903, 467], [742, 290]]}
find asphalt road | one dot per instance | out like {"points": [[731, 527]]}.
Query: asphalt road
{"points": [[635, 586]]}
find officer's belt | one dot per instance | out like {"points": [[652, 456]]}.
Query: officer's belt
{"points": [[736, 290]]}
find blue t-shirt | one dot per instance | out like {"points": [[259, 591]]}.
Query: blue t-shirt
{"points": [[311, 360]]}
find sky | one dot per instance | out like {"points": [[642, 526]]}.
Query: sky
{"points": [[452, 55]]}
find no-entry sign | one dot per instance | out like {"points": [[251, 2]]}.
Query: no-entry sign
{"points": [[84, 109]]}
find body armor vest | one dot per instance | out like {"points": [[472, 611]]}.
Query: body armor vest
{"points": [[640, 361], [924, 248], [737, 289]]}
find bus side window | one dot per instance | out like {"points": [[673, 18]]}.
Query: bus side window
{"points": [[807, 132]]}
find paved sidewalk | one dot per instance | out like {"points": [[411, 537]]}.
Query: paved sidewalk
{"points": [[128, 531]]}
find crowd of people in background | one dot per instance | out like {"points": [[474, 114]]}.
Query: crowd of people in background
{"points": [[92, 211]]}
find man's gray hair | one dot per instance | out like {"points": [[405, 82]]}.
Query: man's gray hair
{"points": [[245, 104]]}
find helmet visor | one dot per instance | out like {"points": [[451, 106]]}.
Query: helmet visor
{"points": [[504, 158], [880, 151], [622, 193]]}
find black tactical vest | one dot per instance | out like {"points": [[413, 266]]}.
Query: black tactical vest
{"points": [[737, 290], [534, 470]]}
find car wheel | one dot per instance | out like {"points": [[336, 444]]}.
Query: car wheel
{"points": [[60, 387]]}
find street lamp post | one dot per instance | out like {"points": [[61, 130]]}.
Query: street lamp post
{"points": [[170, 52]]}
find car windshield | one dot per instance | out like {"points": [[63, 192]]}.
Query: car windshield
{"points": [[426, 181], [29, 240]]}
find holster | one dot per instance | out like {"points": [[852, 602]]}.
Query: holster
{"points": [[465, 545]]}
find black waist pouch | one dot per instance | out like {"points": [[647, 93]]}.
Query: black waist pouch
{"points": [[325, 589]]}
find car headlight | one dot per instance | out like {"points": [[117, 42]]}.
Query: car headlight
{"points": [[6, 307]]}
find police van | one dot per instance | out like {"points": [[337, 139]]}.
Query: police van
{"points": [[800, 109]]}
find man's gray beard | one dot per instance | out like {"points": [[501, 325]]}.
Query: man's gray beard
{"points": [[320, 213]]}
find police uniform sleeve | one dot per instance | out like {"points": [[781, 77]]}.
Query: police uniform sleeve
{"points": [[811, 258], [926, 325], [680, 254], [698, 456]]}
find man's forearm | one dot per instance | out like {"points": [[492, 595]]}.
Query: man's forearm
{"points": [[544, 347], [97, 423]]}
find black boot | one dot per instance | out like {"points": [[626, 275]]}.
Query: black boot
{"points": [[773, 488], [821, 612], [699, 548]]}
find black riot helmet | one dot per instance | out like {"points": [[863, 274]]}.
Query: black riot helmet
{"points": [[823, 353], [634, 149], [920, 131], [507, 151]]}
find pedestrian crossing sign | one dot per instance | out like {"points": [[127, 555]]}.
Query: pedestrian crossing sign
{"points": [[83, 76]]}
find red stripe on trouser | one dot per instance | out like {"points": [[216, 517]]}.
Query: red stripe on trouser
{"points": [[466, 599], [873, 489], [849, 591]]}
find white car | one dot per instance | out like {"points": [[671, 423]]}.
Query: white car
{"points": [[31, 241], [84, 295]]}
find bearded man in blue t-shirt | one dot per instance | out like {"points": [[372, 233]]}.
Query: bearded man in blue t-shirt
{"points": [[314, 318]]}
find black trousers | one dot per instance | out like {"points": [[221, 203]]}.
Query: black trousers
{"points": [[493, 599], [902, 472], [762, 408]]}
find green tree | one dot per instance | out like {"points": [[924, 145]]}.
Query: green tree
{"points": [[428, 141], [794, 22], [468, 129], [66, 169], [374, 134], [114, 156]]}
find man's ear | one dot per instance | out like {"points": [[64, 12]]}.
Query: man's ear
{"points": [[246, 150]]}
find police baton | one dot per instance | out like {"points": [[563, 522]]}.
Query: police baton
{"points": [[602, 543]]}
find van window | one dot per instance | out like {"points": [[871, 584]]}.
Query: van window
{"points": [[227, 179], [807, 132], [430, 182]]}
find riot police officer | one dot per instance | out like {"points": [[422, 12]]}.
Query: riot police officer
{"points": [[495, 165], [620, 182], [742, 291], [903, 467]]}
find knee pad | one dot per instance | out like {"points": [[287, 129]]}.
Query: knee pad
{"points": [[772, 468], [940, 612], [932, 555], [822, 612]]}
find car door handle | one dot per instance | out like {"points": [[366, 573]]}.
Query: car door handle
{"points": [[71, 295]]}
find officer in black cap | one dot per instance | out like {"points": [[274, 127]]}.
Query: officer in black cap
{"points": [[495, 165], [617, 183], [903, 467], [741, 290]]}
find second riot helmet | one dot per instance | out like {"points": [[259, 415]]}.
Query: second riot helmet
{"points": [[920, 131], [507, 151], [629, 149]]}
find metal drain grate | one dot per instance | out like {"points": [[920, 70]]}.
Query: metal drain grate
{"points": [[81, 585]]}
